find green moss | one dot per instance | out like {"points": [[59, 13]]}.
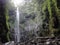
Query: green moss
{"points": [[50, 17], [50, 4], [52, 8], [7, 23]]}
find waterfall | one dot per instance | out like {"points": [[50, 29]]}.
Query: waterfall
{"points": [[17, 30]]}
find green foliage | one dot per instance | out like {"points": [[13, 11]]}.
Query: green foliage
{"points": [[50, 17], [51, 5]]}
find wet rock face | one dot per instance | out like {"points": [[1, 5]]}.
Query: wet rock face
{"points": [[12, 15], [3, 26]]}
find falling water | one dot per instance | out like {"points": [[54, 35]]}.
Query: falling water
{"points": [[17, 30]]}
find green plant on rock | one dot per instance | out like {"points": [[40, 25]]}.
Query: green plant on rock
{"points": [[7, 23]]}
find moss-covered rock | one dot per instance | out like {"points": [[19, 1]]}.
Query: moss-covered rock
{"points": [[3, 26]]}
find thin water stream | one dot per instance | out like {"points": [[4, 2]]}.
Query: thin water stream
{"points": [[17, 30]]}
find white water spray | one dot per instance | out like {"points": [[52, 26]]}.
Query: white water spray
{"points": [[17, 30], [17, 3]]}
